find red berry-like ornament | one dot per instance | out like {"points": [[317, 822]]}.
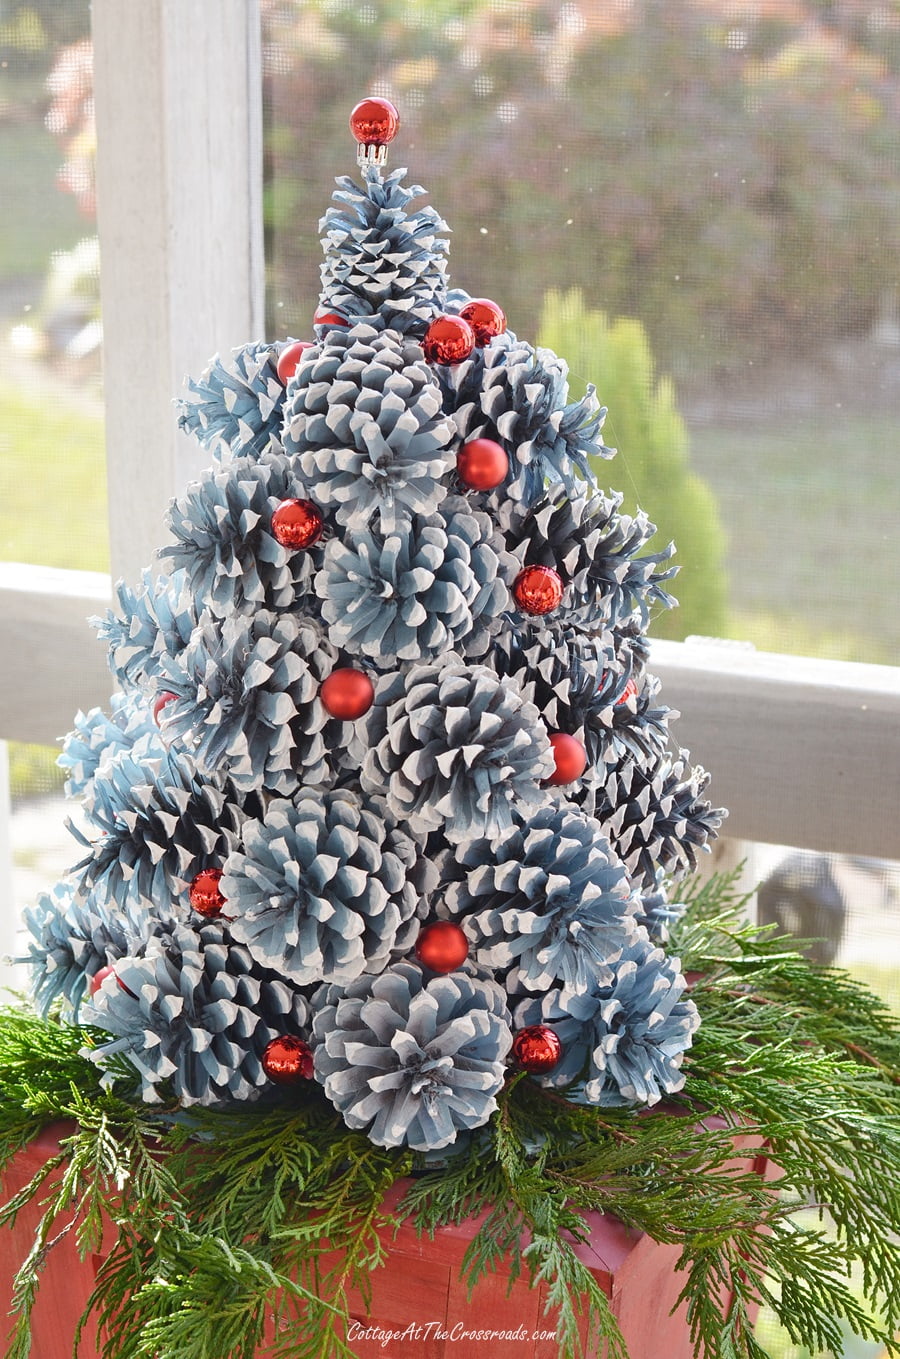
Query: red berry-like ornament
{"points": [[164, 698], [326, 317], [537, 1048], [297, 523], [347, 694], [482, 464], [289, 359], [205, 894], [485, 318], [442, 946], [571, 759], [99, 978], [630, 691], [448, 340], [287, 1060], [538, 589], [374, 122]]}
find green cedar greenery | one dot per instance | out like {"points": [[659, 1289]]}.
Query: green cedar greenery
{"points": [[653, 453], [224, 1218]]}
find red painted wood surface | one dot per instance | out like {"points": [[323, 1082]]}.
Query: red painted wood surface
{"points": [[419, 1309]]}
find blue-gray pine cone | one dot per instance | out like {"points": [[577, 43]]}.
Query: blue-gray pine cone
{"points": [[546, 903], [246, 701], [517, 394], [71, 940], [413, 1061], [453, 748], [579, 532], [657, 914], [151, 827], [326, 888], [366, 431], [193, 1014], [98, 736], [381, 258], [225, 547], [654, 815], [235, 407], [156, 619], [437, 585], [628, 1037]]}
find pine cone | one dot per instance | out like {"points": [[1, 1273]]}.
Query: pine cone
{"points": [[545, 903], [194, 1013], [246, 701], [235, 408], [417, 1060], [226, 549], [435, 586], [629, 1035], [157, 620], [325, 889], [98, 736], [365, 428], [379, 257], [452, 747], [155, 828]]}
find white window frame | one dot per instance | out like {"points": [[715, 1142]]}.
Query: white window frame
{"points": [[802, 752]]}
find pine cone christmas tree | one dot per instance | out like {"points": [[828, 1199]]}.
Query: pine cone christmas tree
{"points": [[386, 774]]}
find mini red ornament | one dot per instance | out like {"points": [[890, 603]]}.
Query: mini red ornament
{"points": [[485, 318], [537, 1048], [630, 691], [297, 523], [326, 317], [347, 694], [99, 978], [205, 894], [571, 759], [374, 122], [449, 339], [289, 359], [442, 946], [482, 464], [164, 698], [287, 1060], [538, 589]]}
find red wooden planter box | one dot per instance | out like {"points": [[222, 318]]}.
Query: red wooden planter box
{"points": [[420, 1309]]}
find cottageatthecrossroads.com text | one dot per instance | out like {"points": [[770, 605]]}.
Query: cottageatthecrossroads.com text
{"points": [[438, 1330]]}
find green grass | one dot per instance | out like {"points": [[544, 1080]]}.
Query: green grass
{"points": [[811, 509], [38, 219], [52, 482]]}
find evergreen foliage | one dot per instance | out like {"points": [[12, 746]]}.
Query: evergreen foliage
{"points": [[220, 1219], [653, 453]]}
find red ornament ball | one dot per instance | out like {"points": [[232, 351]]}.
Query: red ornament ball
{"points": [[630, 691], [571, 759], [538, 589], [205, 894], [287, 1060], [161, 701], [449, 339], [442, 946], [326, 317], [374, 122], [482, 464], [99, 978], [289, 359], [485, 318], [537, 1048], [347, 694], [297, 523]]}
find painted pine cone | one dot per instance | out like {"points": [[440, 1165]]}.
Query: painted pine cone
{"points": [[453, 748], [98, 736], [225, 545], [366, 431], [413, 1061], [546, 903], [235, 408], [435, 586], [325, 888], [381, 258], [156, 620], [193, 1014]]}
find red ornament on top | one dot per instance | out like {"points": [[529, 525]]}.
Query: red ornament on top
{"points": [[442, 946], [538, 589], [297, 523], [482, 464], [449, 339], [289, 359], [374, 122], [287, 1060], [537, 1048], [485, 317]]}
